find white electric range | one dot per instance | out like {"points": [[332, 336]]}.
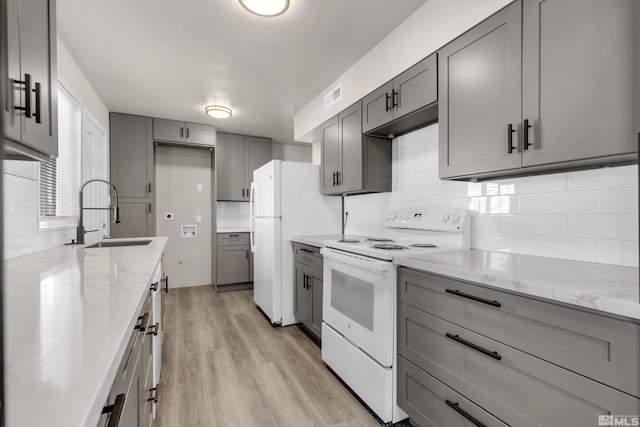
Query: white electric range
{"points": [[360, 297]]}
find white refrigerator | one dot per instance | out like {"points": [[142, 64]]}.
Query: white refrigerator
{"points": [[285, 201]]}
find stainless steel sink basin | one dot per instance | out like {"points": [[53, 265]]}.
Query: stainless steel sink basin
{"points": [[116, 243]]}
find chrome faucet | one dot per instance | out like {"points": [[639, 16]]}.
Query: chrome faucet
{"points": [[80, 231]]}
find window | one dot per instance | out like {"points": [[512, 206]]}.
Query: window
{"points": [[60, 177]]}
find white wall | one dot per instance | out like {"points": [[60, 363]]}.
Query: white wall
{"points": [[430, 27], [290, 152], [20, 189], [587, 215]]}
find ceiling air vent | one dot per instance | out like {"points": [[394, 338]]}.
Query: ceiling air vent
{"points": [[333, 96]]}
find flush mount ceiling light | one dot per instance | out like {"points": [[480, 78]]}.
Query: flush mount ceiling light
{"points": [[266, 8], [218, 111]]}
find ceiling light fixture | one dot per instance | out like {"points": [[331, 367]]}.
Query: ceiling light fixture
{"points": [[218, 111], [266, 8]]}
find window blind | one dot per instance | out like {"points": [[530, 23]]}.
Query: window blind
{"points": [[59, 177]]}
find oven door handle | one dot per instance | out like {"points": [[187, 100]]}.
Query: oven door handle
{"points": [[354, 260]]}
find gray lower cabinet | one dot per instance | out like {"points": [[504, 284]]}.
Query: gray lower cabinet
{"points": [[237, 156], [308, 287], [352, 163], [184, 132], [132, 172], [29, 101], [537, 87], [234, 259], [523, 361], [132, 394], [136, 218], [409, 92]]}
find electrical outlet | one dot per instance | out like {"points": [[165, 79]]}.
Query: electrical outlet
{"points": [[168, 216]]}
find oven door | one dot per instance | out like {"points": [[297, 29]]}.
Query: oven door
{"points": [[358, 301]]}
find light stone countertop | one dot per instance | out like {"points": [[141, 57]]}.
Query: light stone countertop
{"points": [[602, 288], [317, 240], [69, 313]]}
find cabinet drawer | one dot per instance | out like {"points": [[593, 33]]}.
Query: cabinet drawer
{"points": [[432, 403], [492, 374], [308, 255], [233, 239], [598, 347]]}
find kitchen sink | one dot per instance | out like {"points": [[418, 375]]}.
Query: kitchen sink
{"points": [[116, 243]]}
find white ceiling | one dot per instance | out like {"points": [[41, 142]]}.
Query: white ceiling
{"points": [[170, 58]]}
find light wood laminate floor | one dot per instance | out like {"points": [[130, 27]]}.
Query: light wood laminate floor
{"points": [[223, 364]]}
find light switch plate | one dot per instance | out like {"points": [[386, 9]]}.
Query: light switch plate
{"points": [[198, 218], [199, 187]]}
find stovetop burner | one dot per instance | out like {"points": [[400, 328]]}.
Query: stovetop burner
{"points": [[423, 245], [378, 239], [349, 241], [389, 247]]}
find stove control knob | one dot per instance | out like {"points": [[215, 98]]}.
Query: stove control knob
{"points": [[444, 217], [392, 217], [455, 218]]}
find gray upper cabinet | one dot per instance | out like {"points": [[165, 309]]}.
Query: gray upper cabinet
{"points": [[131, 155], [409, 92], [330, 153], [547, 91], [183, 132], [29, 104], [475, 109], [353, 163], [237, 156], [580, 84]]}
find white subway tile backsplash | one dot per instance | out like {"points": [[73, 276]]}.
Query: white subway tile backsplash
{"points": [[604, 226], [621, 252], [559, 247], [615, 177], [585, 215], [558, 203], [542, 225], [494, 241], [618, 200]]}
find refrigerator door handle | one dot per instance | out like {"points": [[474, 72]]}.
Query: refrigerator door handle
{"points": [[252, 216]]}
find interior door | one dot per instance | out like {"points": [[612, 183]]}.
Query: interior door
{"points": [[95, 158]]}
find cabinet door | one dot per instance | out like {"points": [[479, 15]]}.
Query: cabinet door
{"points": [[131, 154], [315, 323], [301, 307], [38, 57], [14, 93], [350, 128], [169, 130], [376, 108], [580, 84], [201, 134], [331, 156], [258, 153], [479, 87], [230, 174], [417, 87], [136, 218], [233, 264]]}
